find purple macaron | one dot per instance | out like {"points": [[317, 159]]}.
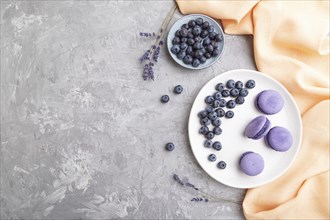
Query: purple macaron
{"points": [[279, 138], [269, 102], [257, 128], [251, 163]]}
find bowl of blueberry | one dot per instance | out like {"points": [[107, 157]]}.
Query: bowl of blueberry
{"points": [[195, 41]]}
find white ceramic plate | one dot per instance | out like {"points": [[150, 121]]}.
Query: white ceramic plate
{"points": [[184, 20], [234, 143]]}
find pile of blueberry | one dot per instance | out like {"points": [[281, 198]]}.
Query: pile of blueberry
{"points": [[196, 42], [226, 97]]}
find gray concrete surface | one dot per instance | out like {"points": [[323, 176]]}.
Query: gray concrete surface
{"points": [[82, 135]]}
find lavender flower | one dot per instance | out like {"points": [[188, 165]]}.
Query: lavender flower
{"points": [[199, 199], [147, 34], [177, 179], [156, 54], [145, 56], [148, 71], [191, 185]]}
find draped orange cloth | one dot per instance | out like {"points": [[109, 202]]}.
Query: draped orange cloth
{"points": [[291, 44]]}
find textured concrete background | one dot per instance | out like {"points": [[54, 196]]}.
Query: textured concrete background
{"points": [[82, 135]]}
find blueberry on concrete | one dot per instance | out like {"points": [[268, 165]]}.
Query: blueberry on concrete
{"points": [[165, 98], [169, 146], [178, 89]]}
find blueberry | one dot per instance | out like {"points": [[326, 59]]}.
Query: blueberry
{"points": [[176, 40], [222, 103], [186, 26], [231, 104], [206, 41], [229, 114], [239, 100], [199, 21], [209, 48], [205, 121], [205, 24], [203, 130], [183, 32], [191, 23], [198, 39], [196, 63], [217, 95], [250, 84], [187, 59], [202, 114], [209, 99], [207, 55], [238, 85], [190, 34], [178, 89], [222, 165], [165, 98], [209, 135], [198, 54], [210, 29], [217, 145], [220, 87], [175, 49], [234, 92], [197, 30], [183, 46], [202, 59], [189, 50], [215, 44], [169, 146], [190, 41], [212, 35], [208, 143], [212, 157], [204, 33], [230, 84], [218, 38], [184, 40], [216, 104], [215, 52], [225, 93], [217, 130], [209, 109], [243, 92], [177, 33], [203, 50], [216, 122], [197, 45], [220, 112], [212, 116], [181, 54]]}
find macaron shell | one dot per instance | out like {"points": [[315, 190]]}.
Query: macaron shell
{"points": [[279, 139], [251, 163], [269, 102], [257, 128]]}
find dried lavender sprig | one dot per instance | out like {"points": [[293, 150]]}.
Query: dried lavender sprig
{"points": [[196, 199], [147, 34], [156, 54], [191, 185], [145, 56], [177, 179]]}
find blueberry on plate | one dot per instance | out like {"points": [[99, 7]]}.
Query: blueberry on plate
{"points": [[234, 92], [212, 115], [205, 25], [197, 45], [176, 40], [205, 121], [184, 40], [203, 130], [178, 89], [225, 93], [243, 92], [203, 50], [212, 35], [206, 41], [189, 51], [250, 84], [187, 59], [210, 29], [165, 98], [220, 87], [181, 54], [217, 145], [218, 38], [209, 109], [231, 104], [199, 21], [198, 54], [215, 52], [198, 39], [191, 23], [183, 46], [209, 135], [197, 30], [239, 100], [169, 146], [216, 104], [217, 95], [222, 102], [175, 49], [202, 114], [208, 143], [216, 122], [190, 41], [220, 112], [222, 165], [177, 33], [186, 26], [212, 157], [183, 32], [202, 59], [230, 84], [209, 48], [217, 130], [238, 85], [209, 99], [229, 114], [196, 63], [204, 33], [207, 55], [190, 34]]}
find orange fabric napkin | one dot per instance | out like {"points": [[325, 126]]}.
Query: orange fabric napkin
{"points": [[291, 45]]}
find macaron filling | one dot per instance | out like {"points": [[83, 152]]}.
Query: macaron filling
{"points": [[257, 128]]}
